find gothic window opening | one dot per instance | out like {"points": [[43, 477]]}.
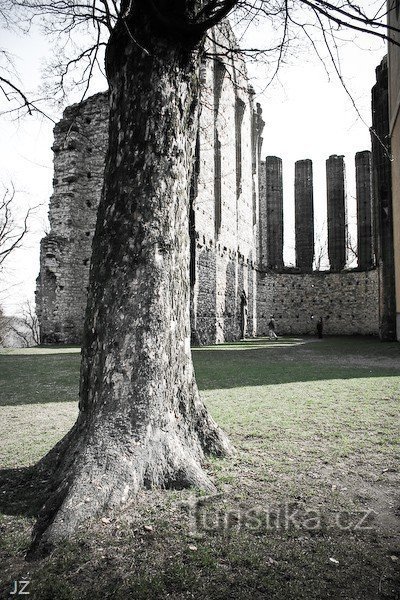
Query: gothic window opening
{"points": [[217, 184], [192, 215], [219, 74], [239, 113]]}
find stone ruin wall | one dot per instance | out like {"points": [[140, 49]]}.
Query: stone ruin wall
{"points": [[223, 221], [236, 225], [383, 204], [80, 143], [226, 204], [346, 299]]}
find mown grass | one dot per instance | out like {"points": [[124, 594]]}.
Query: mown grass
{"points": [[316, 430]]}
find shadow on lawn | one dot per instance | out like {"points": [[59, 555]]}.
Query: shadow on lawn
{"points": [[23, 491], [41, 379], [38, 379], [275, 363]]}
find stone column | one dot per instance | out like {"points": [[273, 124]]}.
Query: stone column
{"points": [[337, 221], [304, 214], [364, 210], [274, 206], [382, 204]]}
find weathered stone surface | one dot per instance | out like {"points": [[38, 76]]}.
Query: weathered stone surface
{"points": [[382, 204], [393, 19], [346, 301], [337, 217], [304, 215], [274, 212], [226, 205], [79, 153], [364, 209]]}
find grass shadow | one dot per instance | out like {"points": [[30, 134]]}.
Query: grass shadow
{"points": [[51, 374], [37, 378], [262, 362], [23, 491]]}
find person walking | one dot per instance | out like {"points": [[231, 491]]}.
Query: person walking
{"points": [[271, 329], [320, 328], [243, 315]]}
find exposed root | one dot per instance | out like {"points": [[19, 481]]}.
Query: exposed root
{"points": [[212, 439], [104, 471]]}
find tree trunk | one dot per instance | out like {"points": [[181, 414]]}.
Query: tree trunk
{"points": [[141, 421]]}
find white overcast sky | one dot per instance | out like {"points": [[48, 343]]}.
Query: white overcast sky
{"points": [[307, 115]]}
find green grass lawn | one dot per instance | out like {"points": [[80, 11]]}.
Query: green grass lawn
{"points": [[307, 508]]}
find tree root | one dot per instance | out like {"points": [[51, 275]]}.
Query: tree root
{"points": [[103, 471]]}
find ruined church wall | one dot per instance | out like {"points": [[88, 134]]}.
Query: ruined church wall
{"points": [[224, 261], [346, 301], [80, 142], [231, 241], [226, 234]]}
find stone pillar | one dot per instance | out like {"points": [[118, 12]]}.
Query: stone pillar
{"points": [[382, 204], [304, 214], [274, 206], [337, 221], [364, 210]]}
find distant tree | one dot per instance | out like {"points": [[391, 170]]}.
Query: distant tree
{"points": [[321, 259], [31, 322], [141, 421], [4, 327], [13, 228], [25, 327], [351, 243]]}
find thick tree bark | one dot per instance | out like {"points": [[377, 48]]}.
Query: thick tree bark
{"points": [[141, 420]]}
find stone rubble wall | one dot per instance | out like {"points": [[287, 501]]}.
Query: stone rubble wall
{"points": [[231, 241], [226, 256], [224, 261], [80, 143], [346, 301]]}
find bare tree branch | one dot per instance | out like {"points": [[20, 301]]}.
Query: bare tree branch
{"points": [[12, 230], [65, 18]]}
